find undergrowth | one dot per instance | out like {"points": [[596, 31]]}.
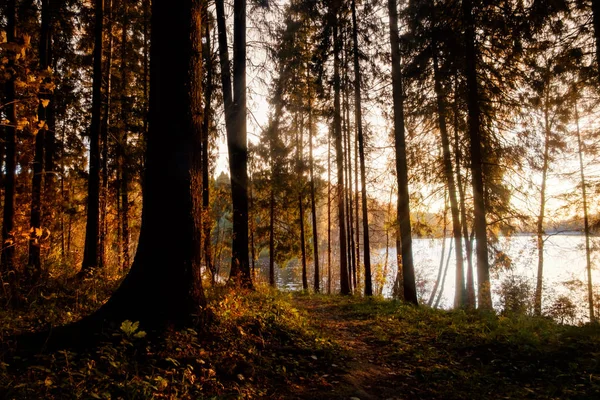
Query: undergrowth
{"points": [[267, 344]]}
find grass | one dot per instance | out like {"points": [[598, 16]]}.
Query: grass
{"points": [[267, 344]]}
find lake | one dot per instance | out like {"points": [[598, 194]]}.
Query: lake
{"points": [[564, 269]]}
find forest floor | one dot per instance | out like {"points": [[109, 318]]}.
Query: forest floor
{"points": [[270, 345]]}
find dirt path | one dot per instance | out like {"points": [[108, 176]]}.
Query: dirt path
{"points": [[361, 371]]}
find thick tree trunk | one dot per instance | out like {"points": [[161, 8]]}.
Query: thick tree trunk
{"points": [[460, 295], [163, 287], [408, 272], [92, 227], [484, 293], [337, 132], [238, 152], [8, 218]]}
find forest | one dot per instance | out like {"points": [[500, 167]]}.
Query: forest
{"points": [[334, 199]]}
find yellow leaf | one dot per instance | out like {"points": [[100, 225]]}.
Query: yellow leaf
{"points": [[45, 102]]}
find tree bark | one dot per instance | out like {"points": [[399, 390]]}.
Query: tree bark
{"points": [[238, 152], [35, 219], [104, 192], [470, 289], [313, 203], [92, 227], [586, 222], [484, 293], [299, 172], [408, 272], [122, 145], [206, 221], [460, 295], [337, 132], [163, 287]]}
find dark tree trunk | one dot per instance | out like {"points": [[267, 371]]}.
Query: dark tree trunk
{"points": [[92, 227], [329, 215], [313, 203], [350, 191], [470, 289], [35, 220], [484, 294], [586, 221], [104, 193], [299, 172], [361, 152], [163, 287], [337, 132], [238, 152], [8, 220], [408, 273], [460, 297], [206, 222], [122, 145]]}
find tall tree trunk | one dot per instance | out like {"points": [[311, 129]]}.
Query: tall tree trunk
{"points": [[8, 218], [206, 220], [484, 293], [470, 289], [586, 222], [300, 175], [313, 203], [35, 220], [460, 295], [122, 145], [104, 193], [537, 305], [238, 152], [408, 272], [163, 287], [337, 132], [329, 215], [350, 191], [92, 228]]}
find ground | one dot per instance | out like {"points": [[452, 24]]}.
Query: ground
{"points": [[270, 345]]}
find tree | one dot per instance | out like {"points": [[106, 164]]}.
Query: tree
{"points": [[163, 286], [238, 152], [403, 208], [92, 229], [484, 294], [339, 155], [361, 151]]}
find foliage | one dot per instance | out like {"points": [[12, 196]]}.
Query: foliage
{"points": [[266, 344]]}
